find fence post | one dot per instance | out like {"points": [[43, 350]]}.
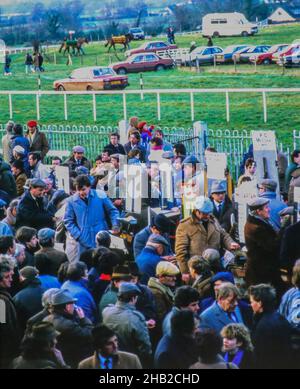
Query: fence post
{"points": [[54, 58], [192, 107], [141, 86], [96, 60], [197, 64], [123, 126], [234, 61], [255, 65], [124, 106], [38, 106], [158, 107], [94, 107], [10, 106], [227, 108], [265, 107], [66, 106], [200, 131], [215, 62]]}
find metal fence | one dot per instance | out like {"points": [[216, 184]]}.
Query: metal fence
{"points": [[233, 142]]}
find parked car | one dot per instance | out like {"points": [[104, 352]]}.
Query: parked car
{"points": [[226, 56], [137, 33], [92, 78], [266, 58], [277, 57], [205, 55], [150, 47], [245, 54], [292, 60], [142, 63]]}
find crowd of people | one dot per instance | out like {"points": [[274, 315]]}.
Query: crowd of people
{"points": [[171, 299]]}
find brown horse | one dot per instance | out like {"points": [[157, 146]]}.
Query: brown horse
{"points": [[121, 40], [75, 44]]}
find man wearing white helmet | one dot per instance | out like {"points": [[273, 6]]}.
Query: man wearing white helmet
{"points": [[197, 233]]}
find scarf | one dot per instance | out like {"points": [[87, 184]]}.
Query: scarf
{"points": [[237, 359]]}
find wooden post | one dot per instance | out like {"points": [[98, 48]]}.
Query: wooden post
{"points": [[158, 107], [192, 107], [265, 107], [227, 108], [234, 61], [141, 86], [66, 106], [124, 106], [10, 107]]}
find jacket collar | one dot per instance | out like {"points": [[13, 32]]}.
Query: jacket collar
{"points": [[77, 198], [96, 361]]}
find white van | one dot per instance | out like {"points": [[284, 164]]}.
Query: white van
{"points": [[227, 24]]}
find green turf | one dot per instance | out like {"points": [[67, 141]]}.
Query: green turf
{"points": [[246, 109]]}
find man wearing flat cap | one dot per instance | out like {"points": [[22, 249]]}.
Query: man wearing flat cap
{"points": [[197, 233], [263, 245], [150, 256], [37, 139], [267, 190], [78, 159], [31, 211], [223, 208], [129, 324]]}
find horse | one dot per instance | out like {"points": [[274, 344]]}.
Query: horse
{"points": [[75, 44], [122, 40]]}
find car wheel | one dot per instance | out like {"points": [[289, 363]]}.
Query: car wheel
{"points": [[89, 87], [122, 71], [216, 34], [159, 68], [61, 88], [266, 61], [245, 33]]}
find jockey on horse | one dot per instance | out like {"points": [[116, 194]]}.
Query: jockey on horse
{"points": [[76, 44]]}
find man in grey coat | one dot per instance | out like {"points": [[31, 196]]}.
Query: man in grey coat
{"points": [[6, 141], [129, 324]]}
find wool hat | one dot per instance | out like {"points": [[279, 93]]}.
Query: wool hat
{"points": [[165, 268], [204, 204], [257, 203], [32, 123], [218, 187], [141, 125], [29, 273], [103, 238], [211, 255], [82, 170], [78, 149], [268, 184], [288, 211], [63, 297], [121, 271], [225, 276]]}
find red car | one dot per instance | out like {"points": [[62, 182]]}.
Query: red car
{"points": [[142, 63], [278, 57], [267, 58], [151, 47]]}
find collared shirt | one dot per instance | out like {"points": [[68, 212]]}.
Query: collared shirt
{"points": [[105, 363], [218, 206]]}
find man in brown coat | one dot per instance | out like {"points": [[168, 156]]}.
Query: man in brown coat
{"points": [[263, 245], [38, 141], [107, 354], [197, 233]]}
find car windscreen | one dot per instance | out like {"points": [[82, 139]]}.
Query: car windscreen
{"points": [[135, 30], [103, 72]]}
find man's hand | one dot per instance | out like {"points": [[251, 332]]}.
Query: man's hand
{"points": [[234, 246], [80, 313], [151, 324], [186, 277], [169, 258]]}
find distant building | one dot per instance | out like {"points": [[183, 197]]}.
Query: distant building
{"points": [[280, 15], [285, 13]]}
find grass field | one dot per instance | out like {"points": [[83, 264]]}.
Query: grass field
{"points": [[246, 109]]}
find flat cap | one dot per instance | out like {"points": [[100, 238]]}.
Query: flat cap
{"points": [[37, 183], [268, 184], [165, 268], [161, 222], [19, 150], [158, 239], [45, 234], [257, 203], [288, 211], [63, 297], [82, 170], [128, 287], [78, 149], [204, 204], [218, 187], [191, 159]]}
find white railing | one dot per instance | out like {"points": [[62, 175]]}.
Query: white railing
{"points": [[17, 50], [156, 92]]}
